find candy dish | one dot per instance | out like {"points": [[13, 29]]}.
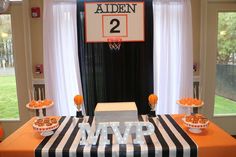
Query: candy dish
{"points": [[196, 123], [45, 126]]}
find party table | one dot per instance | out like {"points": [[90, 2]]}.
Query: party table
{"points": [[212, 142]]}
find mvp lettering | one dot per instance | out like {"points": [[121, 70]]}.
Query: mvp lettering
{"points": [[89, 136]]}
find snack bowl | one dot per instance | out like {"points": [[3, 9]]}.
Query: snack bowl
{"points": [[45, 126], [196, 126]]}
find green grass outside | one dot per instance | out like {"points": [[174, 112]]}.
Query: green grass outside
{"points": [[224, 106], [9, 104], [8, 98]]}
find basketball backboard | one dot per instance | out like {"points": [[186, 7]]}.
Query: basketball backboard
{"points": [[105, 20]]}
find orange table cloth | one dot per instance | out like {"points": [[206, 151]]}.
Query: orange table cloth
{"points": [[212, 142]]}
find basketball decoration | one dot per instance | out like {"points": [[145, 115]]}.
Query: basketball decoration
{"points": [[114, 19], [152, 99], [116, 22], [78, 100]]}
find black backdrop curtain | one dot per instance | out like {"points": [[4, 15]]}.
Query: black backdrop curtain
{"points": [[116, 76]]}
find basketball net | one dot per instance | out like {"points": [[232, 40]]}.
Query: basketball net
{"points": [[114, 43]]}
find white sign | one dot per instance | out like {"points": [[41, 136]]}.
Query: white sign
{"points": [[105, 20], [102, 129]]}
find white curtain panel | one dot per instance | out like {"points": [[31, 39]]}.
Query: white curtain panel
{"points": [[62, 74], [173, 59]]}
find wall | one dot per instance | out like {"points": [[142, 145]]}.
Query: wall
{"points": [[196, 16], [36, 27]]}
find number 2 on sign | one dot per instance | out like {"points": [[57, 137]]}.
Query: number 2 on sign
{"points": [[116, 23]]}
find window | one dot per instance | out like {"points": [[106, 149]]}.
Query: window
{"points": [[225, 92], [8, 96]]}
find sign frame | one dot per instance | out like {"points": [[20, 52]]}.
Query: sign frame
{"points": [[142, 39]]}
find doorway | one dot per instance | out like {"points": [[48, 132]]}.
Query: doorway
{"points": [[8, 96], [19, 58], [219, 63]]}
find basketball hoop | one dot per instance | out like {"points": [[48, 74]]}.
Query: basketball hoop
{"points": [[114, 43], [114, 27]]}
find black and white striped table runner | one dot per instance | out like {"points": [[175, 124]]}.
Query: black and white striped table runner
{"points": [[169, 140]]}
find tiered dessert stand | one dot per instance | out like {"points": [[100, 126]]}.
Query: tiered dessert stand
{"points": [[38, 105], [194, 122], [44, 125]]}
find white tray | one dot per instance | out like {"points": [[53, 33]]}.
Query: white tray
{"points": [[193, 105], [41, 107]]}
